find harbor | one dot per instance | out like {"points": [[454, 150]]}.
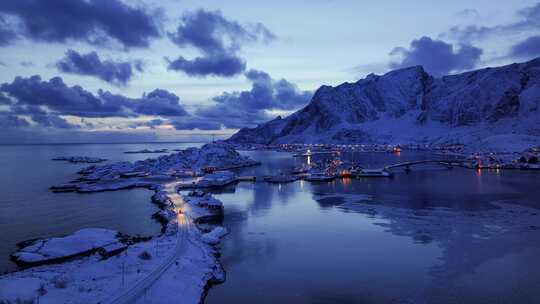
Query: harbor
{"points": [[324, 163]]}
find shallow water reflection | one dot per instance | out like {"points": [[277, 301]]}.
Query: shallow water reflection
{"points": [[431, 236]]}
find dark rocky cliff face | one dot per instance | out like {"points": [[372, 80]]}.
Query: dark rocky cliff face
{"points": [[482, 96]]}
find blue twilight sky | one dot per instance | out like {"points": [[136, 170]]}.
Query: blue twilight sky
{"points": [[113, 70]]}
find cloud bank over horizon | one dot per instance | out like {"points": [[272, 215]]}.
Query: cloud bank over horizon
{"points": [[119, 66]]}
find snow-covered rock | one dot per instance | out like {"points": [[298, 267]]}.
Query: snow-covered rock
{"points": [[411, 106], [160, 198], [152, 172], [95, 280], [204, 207], [219, 155], [81, 242], [213, 237]]}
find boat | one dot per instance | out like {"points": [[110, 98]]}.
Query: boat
{"points": [[345, 173], [344, 169], [373, 173]]}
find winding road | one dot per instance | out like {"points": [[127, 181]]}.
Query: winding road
{"points": [[135, 292]]}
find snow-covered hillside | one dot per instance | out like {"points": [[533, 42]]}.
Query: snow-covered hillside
{"points": [[411, 106]]}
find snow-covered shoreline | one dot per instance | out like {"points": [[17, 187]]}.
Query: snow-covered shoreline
{"points": [[57, 249], [94, 278], [179, 264], [188, 163]]}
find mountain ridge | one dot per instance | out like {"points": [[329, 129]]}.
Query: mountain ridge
{"points": [[411, 106]]}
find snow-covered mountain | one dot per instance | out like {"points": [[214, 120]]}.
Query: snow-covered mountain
{"points": [[411, 106]]}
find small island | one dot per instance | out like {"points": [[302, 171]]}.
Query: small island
{"points": [[80, 159]]}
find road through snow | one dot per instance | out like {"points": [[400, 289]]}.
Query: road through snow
{"points": [[133, 293]]}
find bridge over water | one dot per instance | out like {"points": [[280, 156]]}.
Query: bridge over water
{"points": [[443, 162]]}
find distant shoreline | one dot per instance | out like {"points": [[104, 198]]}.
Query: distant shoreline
{"points": [[106, 143]]}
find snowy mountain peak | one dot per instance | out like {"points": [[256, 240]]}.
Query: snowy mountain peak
{"points": [[409, 105]]}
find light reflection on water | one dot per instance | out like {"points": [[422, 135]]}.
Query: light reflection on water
{"points": [[287, 246]]}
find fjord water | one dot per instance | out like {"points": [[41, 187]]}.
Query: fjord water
{"points": [[285, 246], [29, 210]]}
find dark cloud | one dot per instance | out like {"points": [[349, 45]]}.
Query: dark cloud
{"points": [[27, 110], [4, 100], [41, 117], [30, 94], [8, 121], [157, 102], [160, 102], [218, 39], [528, 19], [527, 48], [248, 108], [52, 121], [60, 98], [115, 72], [212, 33], [94, 21], [219, 65], [436, 56], [7, 35]]}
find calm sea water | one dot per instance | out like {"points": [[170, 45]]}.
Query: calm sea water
{"points": [[285, 246], [29, 210]]}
